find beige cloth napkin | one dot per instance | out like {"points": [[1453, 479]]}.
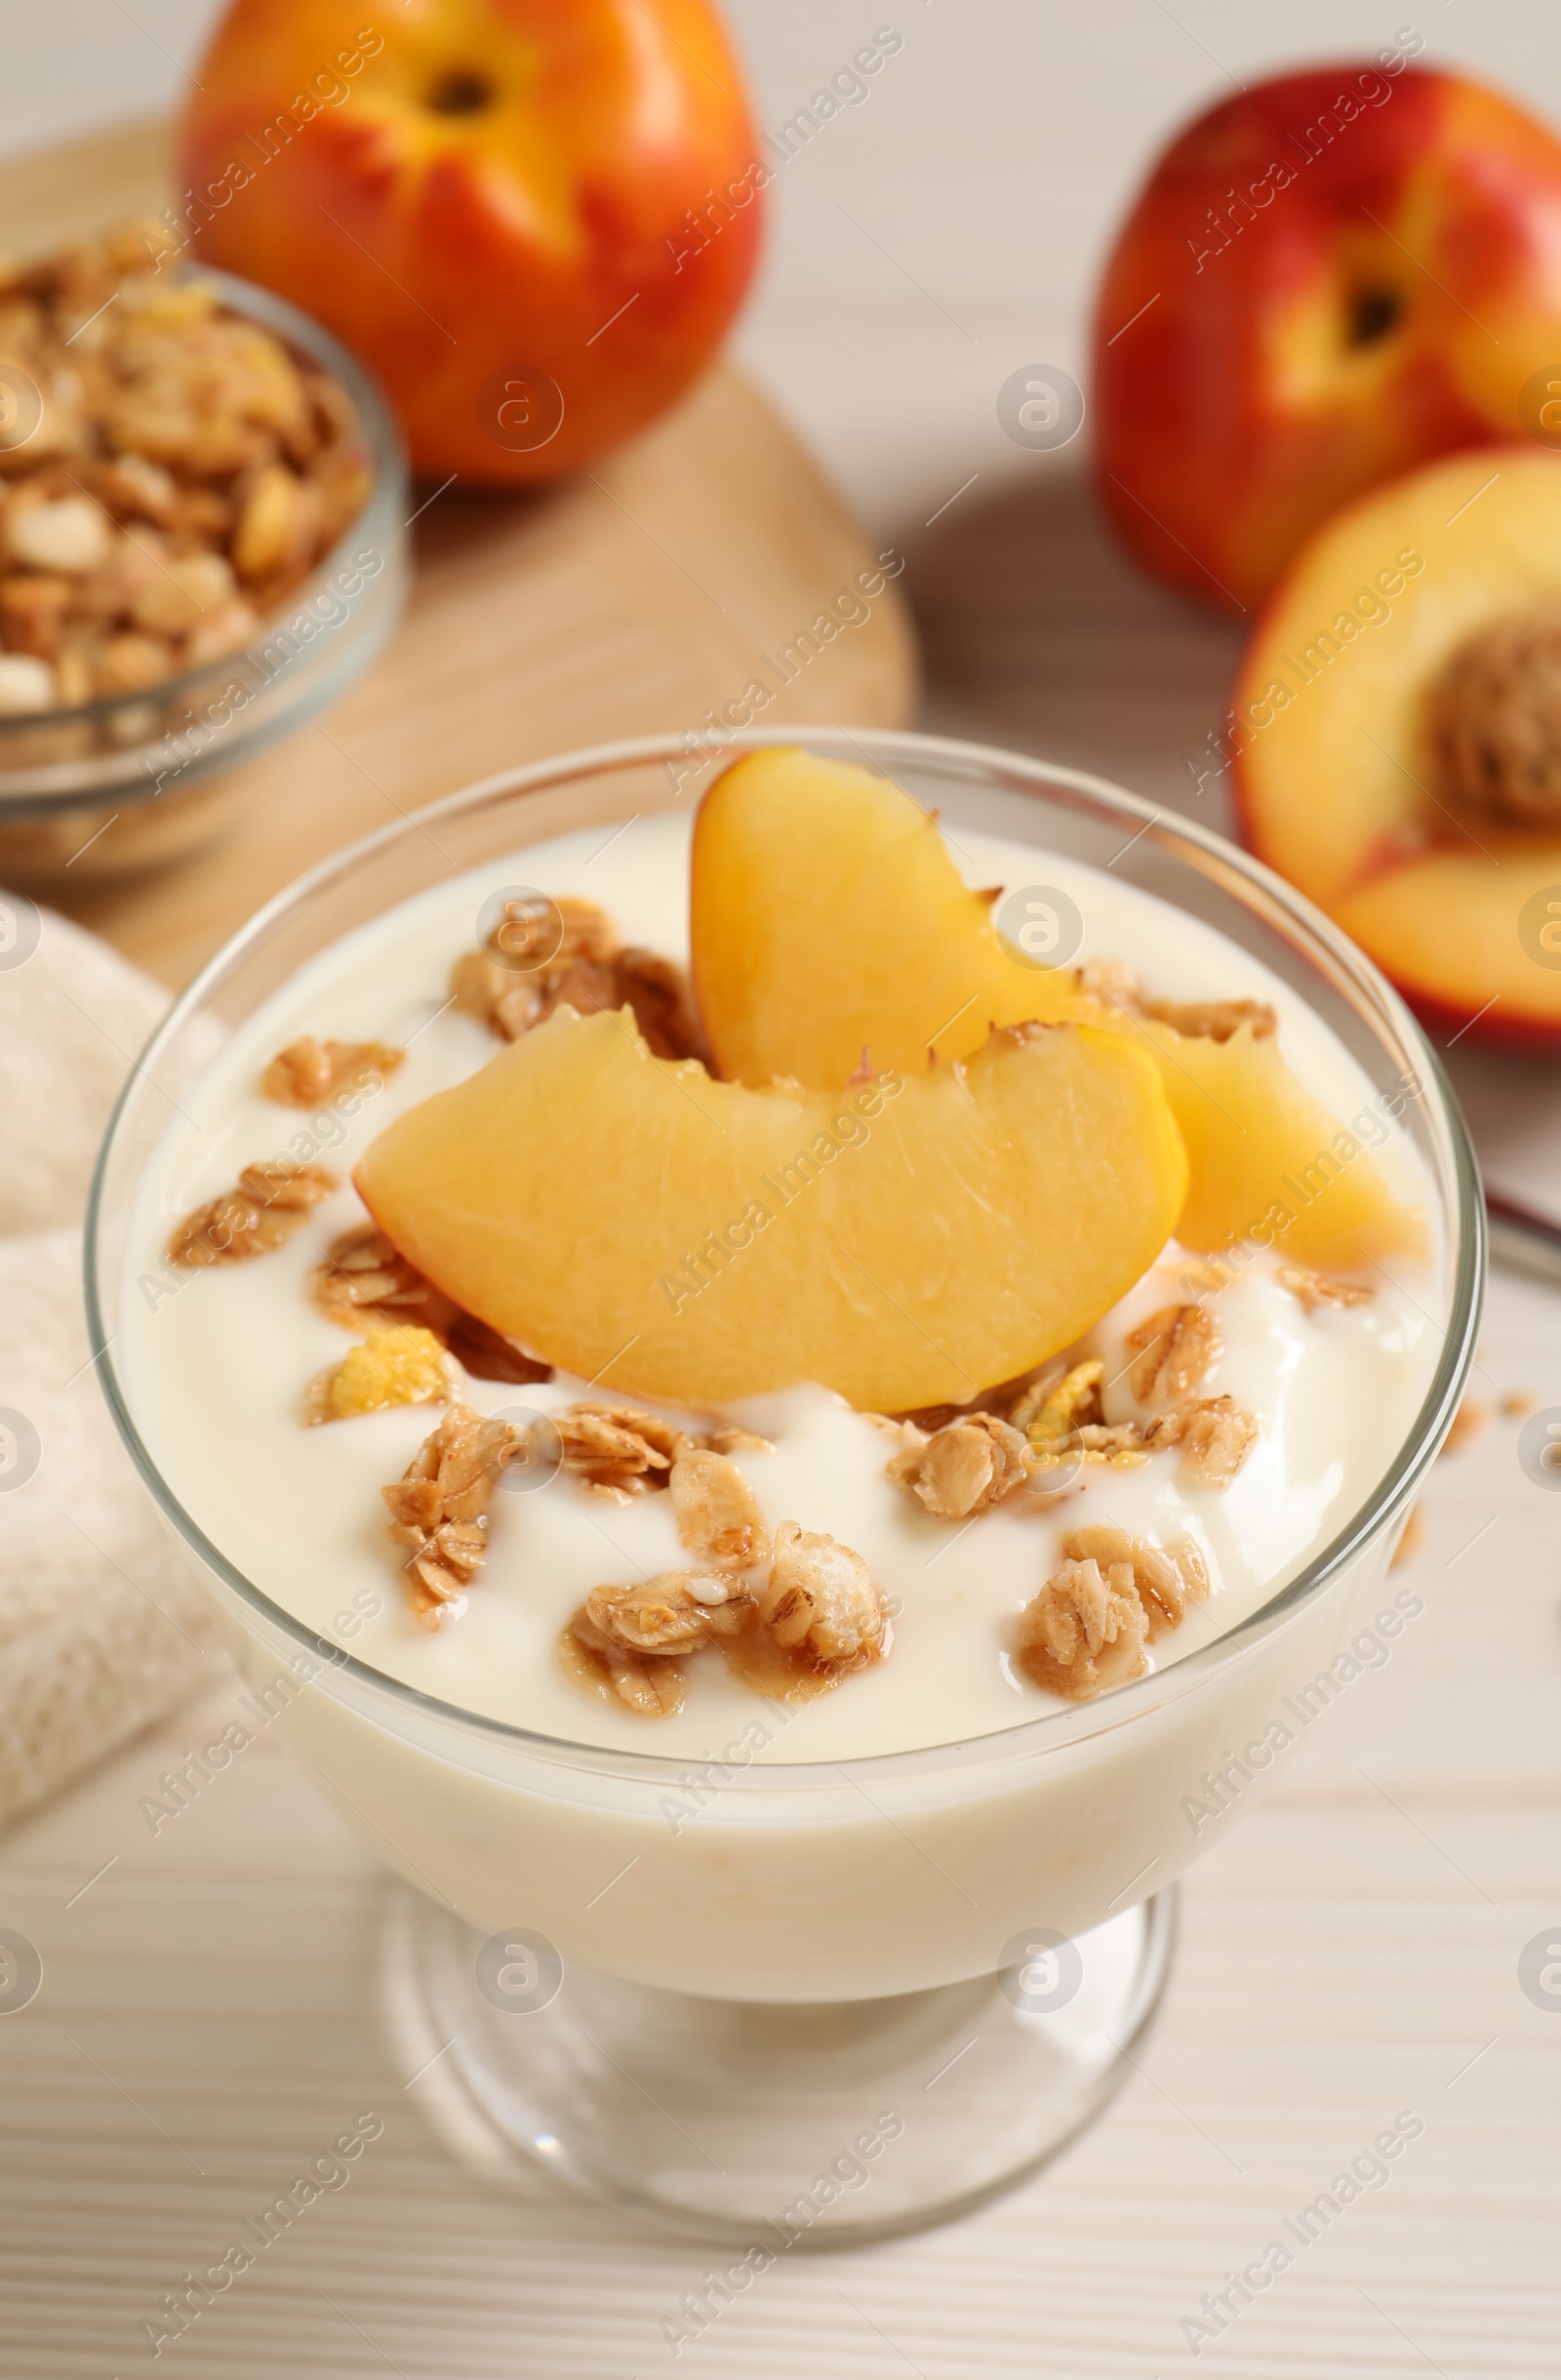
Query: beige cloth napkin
{"points": [[102, 1627]]}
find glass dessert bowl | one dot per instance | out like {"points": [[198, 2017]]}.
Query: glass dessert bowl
{"points": [[203, 502], [846, 1934]]}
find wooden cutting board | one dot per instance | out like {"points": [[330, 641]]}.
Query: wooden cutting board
{"points": [[620, 604]]}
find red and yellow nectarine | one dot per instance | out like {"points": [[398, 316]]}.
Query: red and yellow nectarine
{"points": [[1324, 282], [535, 218]]}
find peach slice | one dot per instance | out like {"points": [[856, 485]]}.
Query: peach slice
{"points": [[1266, 1159], [1337, 767], [828, 916], [906, 1242]]}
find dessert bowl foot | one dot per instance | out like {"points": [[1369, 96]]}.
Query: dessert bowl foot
{"points": [[767, 2126]]}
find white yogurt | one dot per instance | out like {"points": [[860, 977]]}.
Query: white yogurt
{"points": [[215, 1363]]}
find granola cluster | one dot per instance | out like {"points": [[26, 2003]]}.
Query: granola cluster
{"points": [[1114, 984], [1175, 1350], [820, 1600], [618, 1452], [1089, 1626], [269, 1203], [964, 1466], [545, 954], [792, 1619], [308, 1072], [185, 472], [1214, 1433], [363, 1278], [630, 1643], [1051, 1425], [1313, 1289], [1066, 1424], [439, 1509], [718, 1515], [1213, 1019]]}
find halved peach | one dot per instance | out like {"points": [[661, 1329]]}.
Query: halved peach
{"points": [[906, 1242], [1338, 721], [1446, 931], [828, 916]]}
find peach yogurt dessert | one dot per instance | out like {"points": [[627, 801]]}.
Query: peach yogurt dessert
{"points": [[729, 1303]]}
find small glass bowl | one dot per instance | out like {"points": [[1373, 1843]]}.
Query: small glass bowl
{"points": [[851, 1996], [153, 764]]}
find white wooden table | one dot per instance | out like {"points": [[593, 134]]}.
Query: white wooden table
{"points": [[1349, 1952]]}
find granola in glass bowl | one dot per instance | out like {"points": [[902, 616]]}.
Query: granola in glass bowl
{"points": [[200, 541]]}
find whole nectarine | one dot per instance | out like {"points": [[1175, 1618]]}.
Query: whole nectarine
{"points": [[535, 218], [1334, 277]]}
